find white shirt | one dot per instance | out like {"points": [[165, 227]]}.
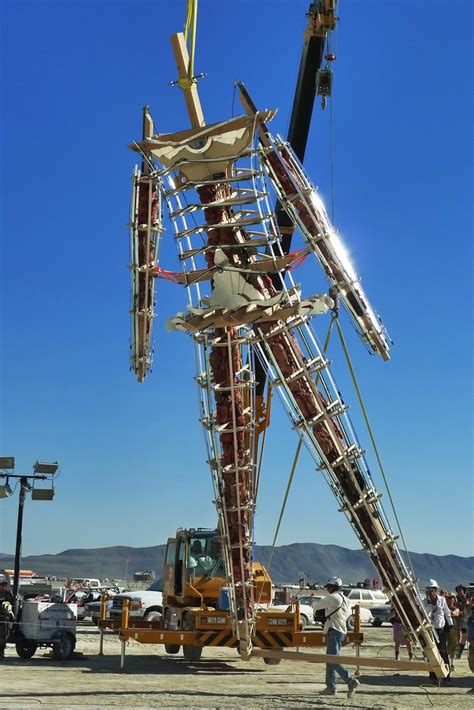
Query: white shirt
{"points": [[438, 613], [337, 610]]}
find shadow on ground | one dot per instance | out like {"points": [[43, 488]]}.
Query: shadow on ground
{"points": [[136, 665]]}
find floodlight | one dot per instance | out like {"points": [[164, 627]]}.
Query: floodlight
{"points": [[5, 490], [45, 467], [42, 494], [7, 462]]}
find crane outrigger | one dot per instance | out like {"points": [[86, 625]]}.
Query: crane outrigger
{"points": [[217, 182]]}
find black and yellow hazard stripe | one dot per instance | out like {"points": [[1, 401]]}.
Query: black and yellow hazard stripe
{"points": [[216, 638], [273, 639]]}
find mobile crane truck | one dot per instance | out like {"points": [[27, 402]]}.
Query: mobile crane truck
{"points": [[195, 605]]}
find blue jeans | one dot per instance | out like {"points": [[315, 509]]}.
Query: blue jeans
{"points": [[335, 639]]}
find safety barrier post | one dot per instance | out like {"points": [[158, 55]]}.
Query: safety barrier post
{"points": [[124, 625], [122, 655], [125, 613], [357, 631], [296, 609], [102, 623]]}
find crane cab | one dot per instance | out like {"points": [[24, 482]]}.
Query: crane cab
{"points": [[194, 571]]}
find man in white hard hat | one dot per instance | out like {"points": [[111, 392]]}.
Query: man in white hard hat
{"points": [[337, 609], [440, 616]]}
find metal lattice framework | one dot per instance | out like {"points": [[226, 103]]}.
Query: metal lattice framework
{"points": [[217, 183]]}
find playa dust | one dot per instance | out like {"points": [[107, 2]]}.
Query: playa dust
{"points": [[220, 680]]}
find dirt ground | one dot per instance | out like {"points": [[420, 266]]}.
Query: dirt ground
{"points": [[219, 680]]}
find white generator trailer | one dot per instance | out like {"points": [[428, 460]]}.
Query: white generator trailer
{"points": [[46, 624]]}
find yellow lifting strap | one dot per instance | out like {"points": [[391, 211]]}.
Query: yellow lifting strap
{"points": [[190, 28]]}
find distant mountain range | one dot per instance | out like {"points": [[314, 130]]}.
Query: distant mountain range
{"points": [[319, 562]]}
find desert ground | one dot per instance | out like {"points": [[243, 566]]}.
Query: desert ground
{"points": [[220, 680]]}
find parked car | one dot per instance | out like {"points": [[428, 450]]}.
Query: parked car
{"points": [[93, 610], [78, 597], [306, 612], [367, 598], [306, 615], [319, 614], [84, 601], [365, 617], [309, 600], [381, 614], [144, 604]]}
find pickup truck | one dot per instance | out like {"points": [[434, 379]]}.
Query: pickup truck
{"points": [[28, 587], [144, 603]]}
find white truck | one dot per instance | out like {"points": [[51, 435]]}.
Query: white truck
{"points": [[144, 603], [28, 586]]}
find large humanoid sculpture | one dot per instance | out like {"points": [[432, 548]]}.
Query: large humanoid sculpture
{"points": [[217, 182]]}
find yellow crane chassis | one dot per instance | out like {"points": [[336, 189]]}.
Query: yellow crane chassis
{"points": [[153, 632], [277, 636]]}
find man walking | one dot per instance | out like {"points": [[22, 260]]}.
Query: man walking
{"points": [[440, 616], [337, 609]]}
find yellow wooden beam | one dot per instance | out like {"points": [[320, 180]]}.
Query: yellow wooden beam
{"points": [[346, 660], [191, 97]]}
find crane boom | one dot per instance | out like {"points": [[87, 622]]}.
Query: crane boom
{"points": [[321, 20]]}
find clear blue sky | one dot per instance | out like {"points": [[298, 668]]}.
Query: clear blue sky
{"points": [[75, 77]]}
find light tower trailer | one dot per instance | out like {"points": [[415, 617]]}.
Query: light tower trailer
{"points": [[45, 624]]}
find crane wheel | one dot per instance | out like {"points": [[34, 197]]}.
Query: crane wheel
{"points": [[272, 661], [172, 647], [192, 653]]}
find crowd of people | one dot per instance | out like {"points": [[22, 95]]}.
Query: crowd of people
{"points": [[450, 613], [452, 616]]}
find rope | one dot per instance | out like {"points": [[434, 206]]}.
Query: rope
{"points": [[290, 481], [372, 439], [295, 461], [165, 274], [331, 142], [190, 26], [299, 257]]}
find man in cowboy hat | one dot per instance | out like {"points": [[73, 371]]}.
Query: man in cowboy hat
{"points": [[337, 609]]}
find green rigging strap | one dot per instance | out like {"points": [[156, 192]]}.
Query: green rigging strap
{"points": [[297, 455], [372, 438], [290, 481]]}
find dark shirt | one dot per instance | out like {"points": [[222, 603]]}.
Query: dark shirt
{"points": [[6, 596]]}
